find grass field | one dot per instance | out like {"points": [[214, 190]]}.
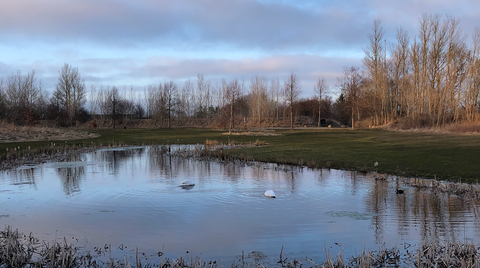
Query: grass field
{"points": [[444, 156]]}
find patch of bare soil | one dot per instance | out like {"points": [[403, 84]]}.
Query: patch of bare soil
{"points": [[22, 134]]}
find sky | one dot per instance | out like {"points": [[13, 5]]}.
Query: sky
{"points": [[145, 42]]}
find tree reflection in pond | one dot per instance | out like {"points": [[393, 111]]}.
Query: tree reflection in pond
{"points": [[23, 176], [226, 212]]}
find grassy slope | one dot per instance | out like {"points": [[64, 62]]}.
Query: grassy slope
{"points": [[412, 154]]}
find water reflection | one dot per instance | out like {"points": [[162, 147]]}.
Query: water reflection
{"points": [[133, 196], [420, 213], [23, 176], [116, 158], [71, 178]]}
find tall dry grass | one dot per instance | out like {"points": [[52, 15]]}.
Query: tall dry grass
{"points": [[471, 190], [472, 128], [18, 250]]}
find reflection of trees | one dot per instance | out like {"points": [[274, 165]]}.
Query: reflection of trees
{"points": [[416, 213], [322, 176], [353, 179], [476, 223], [292, 182], [278, 174], [117, 158], [377, 203], [231, 172], [166, 164], [437, 215], [170, 166], [24, 176], [71, 178]]}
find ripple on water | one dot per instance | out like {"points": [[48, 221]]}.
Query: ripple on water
{"points": [[227, 206], [72, 164], [351, 214]]}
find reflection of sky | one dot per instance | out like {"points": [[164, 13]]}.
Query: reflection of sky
{"points": [[132, 197]]}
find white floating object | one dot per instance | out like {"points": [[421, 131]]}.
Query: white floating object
{"points": [[269, 193], [187, 185]]}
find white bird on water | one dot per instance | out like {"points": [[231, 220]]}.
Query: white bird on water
{"points": [[269, 193]]}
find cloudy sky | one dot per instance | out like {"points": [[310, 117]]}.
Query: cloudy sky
{"points": [[143, 42]]}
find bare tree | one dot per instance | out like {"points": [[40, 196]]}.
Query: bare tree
{"points": [[201, 96], [93, 101], [3, 102], [401, 93], [258, 97], [232, 94], [350, 84], [23, 96], [188, 98], [130, 102], [171, 98], [70, 90], [473, 78], [150, 98], [102, 99], [276, 95], [113, 103], [374, 61], [292, 89], [321, 88]]}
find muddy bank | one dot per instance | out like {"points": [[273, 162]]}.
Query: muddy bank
{"points": [[54, 153], [23, 134], [24, 155]]}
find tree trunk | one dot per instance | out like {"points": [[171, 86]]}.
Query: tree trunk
{"points": [[231, 116], [291, 117], [353, 117], [319, 112], [169, 112]]}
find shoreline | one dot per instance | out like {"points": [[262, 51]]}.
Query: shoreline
{"points": [[219, 153], [444, 157], [43, 155], [20, 250]]}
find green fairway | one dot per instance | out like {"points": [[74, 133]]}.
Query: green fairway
{"points": [[453, 157]]}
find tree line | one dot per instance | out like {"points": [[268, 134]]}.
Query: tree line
{"points": [[199, 102], [432, 79], [23, 100]]}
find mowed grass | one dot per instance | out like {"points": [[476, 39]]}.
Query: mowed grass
{"points": [[429, 155], [452, 157]]}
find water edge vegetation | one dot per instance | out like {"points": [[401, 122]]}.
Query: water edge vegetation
{"points": [[20, 250], [428, 155]]}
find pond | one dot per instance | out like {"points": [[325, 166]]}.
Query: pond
{"points": [[130, 198]]}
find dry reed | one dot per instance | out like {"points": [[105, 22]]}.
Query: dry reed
{"points": [[456, 188], [18, 250]]}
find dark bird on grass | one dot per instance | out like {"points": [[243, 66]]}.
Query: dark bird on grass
{"points": [[399, 191]]}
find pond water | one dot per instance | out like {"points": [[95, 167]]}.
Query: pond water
{"points": [[130, 197]]}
